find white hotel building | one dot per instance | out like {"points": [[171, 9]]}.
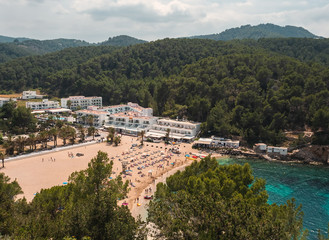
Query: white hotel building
{"points": [[178, 130], [31, 95], [99, 117], [130, 118], [81, 102], [130, 107], [45, 104]]}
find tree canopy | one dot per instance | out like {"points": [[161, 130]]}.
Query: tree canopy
{"points": [[208, 201]]}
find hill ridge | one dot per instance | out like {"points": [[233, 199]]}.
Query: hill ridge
{"points": [[267, 30]]}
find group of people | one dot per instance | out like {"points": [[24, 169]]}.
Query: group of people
{"points": [[51, 159]]}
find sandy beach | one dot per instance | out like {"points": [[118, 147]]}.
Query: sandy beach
{"points": [[147, 165]]}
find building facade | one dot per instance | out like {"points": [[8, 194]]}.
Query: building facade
{"points": [[31, 95], [130, 118], [45, 104], [130, 107], [277, 150], [6, 100], [217, 142], [76, 102], [92, 117], [178, 130]]}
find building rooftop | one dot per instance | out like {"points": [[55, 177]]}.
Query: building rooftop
{"points": [[131, 115], [92, 112], [80, 97], [178, 121]]}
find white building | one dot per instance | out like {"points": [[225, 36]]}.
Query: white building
{"points": [[130, 118], [178, 130], [81, 102], [6, 100], [99, 118], [130, 107], [261, 147], [130, 122], [277, 150], [31, 95], [217, 142], [223, 142], [45, 104]]}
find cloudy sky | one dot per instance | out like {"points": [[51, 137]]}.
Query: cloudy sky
{"points": [[96, 20]]}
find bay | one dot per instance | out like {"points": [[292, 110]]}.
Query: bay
{"points": [[308, 184]]}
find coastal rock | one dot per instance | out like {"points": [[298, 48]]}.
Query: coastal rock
{"points": [[313, 153]]}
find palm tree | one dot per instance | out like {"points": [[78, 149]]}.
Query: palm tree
{"points": [[141, 135], [111, 134], [2, 156], [83, 118], [72, 134], [43, 137], [9, 146], [69, 104], [64, 133], [20, 143], [167, 134], [90, 120], [92, 131], [54, 132], [82, 133], [59, 124], [117, 140], [32, 141]]}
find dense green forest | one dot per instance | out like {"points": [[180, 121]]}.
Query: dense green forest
{"points": [[260, 31], [30, 47], [208, 201], [122, 41], [6, 39], [33, 71], [11, 51], [234, 88], [304, 49]]}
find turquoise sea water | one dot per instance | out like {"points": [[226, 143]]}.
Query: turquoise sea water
{"points": [[309, 185]]}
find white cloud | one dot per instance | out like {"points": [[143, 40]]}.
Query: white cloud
{"points": [[96, 20]]}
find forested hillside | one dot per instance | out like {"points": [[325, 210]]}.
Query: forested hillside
{"points": [[6, 39], [260, 31], [122, 41], [32, 72], [235, 88], [306, 49], [9, 51], [29, 47]]}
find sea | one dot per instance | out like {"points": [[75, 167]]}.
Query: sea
{"points": [[308, 184]]}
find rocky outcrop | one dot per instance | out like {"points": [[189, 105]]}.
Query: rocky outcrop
{"points": [[313, 153]]}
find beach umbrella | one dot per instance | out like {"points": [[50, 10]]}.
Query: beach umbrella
{"points": [[194, 156], [64, 183], [187, 155]]}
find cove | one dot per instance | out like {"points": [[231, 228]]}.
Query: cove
{"points": [[308, 184]]}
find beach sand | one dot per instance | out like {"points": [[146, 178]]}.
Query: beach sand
{"points": [[53, 168]]}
